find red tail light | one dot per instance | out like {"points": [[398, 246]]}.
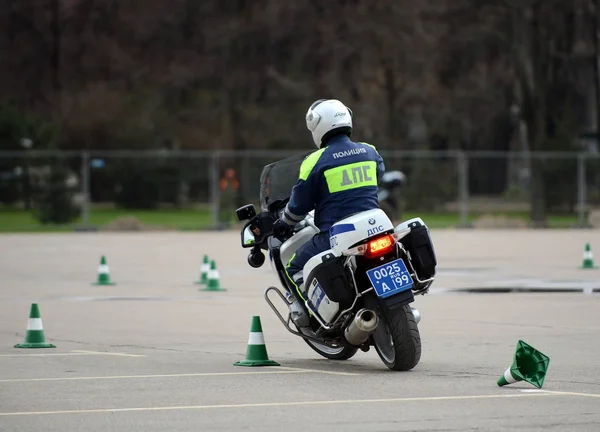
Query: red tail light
{"points": [[380, 246]]}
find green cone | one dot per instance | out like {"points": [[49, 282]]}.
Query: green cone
{"points": [[256, 351], [588, 258], [34, 338], [103, 273], [204, 271], [213, 282], [529, 365]]}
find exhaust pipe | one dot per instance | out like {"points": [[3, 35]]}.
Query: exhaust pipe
{"points": [[359, 330], [416, 314]]}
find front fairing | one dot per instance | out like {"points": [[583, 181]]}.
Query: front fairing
{"points": [[278, 179]]}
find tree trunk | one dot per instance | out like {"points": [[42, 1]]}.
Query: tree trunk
{"points": [[595, 6], [528, 52], [539, 99], [390, 90], [236, 115], [538, 202], [56, 45]]}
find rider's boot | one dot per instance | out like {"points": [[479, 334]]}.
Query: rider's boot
{"points": [[297, 311]]}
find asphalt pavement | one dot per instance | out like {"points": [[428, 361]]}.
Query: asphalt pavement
{"points": [[154, 353]]}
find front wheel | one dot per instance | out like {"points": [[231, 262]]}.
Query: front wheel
{"points": [[397, 339], [340, 353]]}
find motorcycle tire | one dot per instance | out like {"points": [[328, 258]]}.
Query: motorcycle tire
{"points": [[397, 339], [342, 353]]}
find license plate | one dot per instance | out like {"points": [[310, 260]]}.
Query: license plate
{"points": [[391, 278]]}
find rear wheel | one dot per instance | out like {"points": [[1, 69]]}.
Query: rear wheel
{"points": [[397, 339]]}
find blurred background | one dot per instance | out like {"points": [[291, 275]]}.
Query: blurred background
{"points": [[146, 114]]}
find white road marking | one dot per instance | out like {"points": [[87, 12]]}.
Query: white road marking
{"points": [[284, 404], [566, 393], [321, 371], [560, 393], [40, 355], [72, 353], [109, 353], [278, 370], [117, 377]]}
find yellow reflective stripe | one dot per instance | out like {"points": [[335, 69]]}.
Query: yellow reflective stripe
{"points": [[290, 278], [370, 145], [289, 263], [309, 163], [351, 176]]}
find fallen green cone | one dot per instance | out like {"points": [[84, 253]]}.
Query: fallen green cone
{"points": [[529, 365]]}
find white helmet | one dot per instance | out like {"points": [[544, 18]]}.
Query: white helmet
{"points": [[326, 115]]}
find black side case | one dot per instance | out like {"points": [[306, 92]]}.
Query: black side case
{"points": [[418, 243], [332, 277]]}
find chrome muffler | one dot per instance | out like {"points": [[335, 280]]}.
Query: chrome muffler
{"points": [[416, 314], [359, 330]]}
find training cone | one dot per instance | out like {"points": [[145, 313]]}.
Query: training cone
{"points": [[204, 271], [34, 338], [529, 365], [256, 352], [103, 273], [213, 280], [588, 258]]}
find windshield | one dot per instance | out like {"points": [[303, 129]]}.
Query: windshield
{"points": [[278, 179]]}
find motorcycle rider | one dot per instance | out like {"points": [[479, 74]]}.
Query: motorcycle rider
{"points": [[338, 180]]}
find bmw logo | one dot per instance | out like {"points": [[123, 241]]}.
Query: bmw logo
{"points": [[372, 221]]}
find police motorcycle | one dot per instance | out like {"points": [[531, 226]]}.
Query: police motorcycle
{"points": [[388, 194], [358, 293]]}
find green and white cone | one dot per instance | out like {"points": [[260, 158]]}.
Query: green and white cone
{"points": [[509, 378], [213, 280], [103, 273], [529, 365], [204, 271], [34, 338], [256, 351], [588, 258]]}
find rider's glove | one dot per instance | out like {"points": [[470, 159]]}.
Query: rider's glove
{"points": [[281, 229]]}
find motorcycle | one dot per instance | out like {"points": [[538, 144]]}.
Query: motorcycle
{"points": [[388, 195], [358, 293]]}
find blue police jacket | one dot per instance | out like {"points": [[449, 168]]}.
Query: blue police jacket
{"points": [[336, 181]]}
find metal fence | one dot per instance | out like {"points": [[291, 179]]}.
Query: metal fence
{"points": [[449, 182]]}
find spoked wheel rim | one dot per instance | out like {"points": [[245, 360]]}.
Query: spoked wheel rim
{"points": [[382, 337]]}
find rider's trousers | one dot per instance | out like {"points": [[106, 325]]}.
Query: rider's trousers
{"points": [[319, 243]]}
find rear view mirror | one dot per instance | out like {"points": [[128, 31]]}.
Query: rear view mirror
{"points": [[248, 239], [257, 230], [246, 212]]}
